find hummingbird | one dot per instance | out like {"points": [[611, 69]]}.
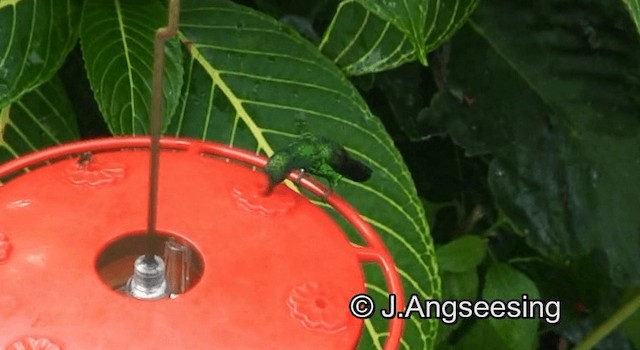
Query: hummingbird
{"points": [[316, 155]]}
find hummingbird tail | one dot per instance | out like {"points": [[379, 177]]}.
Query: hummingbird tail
{"points": [[353, 169]]}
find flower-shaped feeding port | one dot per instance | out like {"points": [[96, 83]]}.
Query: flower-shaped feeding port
{"points": [[90, 171], [318, 308], [252, 196], [29, 343], [5, 248]]}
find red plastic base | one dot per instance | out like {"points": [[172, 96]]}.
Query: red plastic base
{"points": [[278, 272]]}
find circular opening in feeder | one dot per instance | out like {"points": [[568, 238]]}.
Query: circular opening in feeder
{"points": [[183, 262]]}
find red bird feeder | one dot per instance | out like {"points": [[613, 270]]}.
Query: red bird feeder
{"points": [[253, 271]]}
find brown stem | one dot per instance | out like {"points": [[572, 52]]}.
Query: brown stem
{"points": [[155, 119]]}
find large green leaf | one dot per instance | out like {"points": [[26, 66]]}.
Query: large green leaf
{"points": [[361, 42], [631, 328], [634, 10], [556, 91], [456, 286], [481, 336], [504, 283], [249, 80], [35, 37], [117, 39], [368, 36], [41, 118], [462, 254]]}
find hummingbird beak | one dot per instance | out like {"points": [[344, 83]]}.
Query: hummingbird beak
{"points": [[269, 189]]}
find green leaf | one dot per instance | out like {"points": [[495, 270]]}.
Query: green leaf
{"points": [[249, 80], [556, 90], [505, 283], [576, 332], [631, 328], [461, 255], [35, 38], [361, 42], [457, 286], [460, 285], [404, 88], [367, 36], [117, 40], [634, 9], [482, 336], [41, 118]]}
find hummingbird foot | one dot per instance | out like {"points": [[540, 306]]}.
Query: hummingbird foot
{"points": [[267, 192], [298, 178]]}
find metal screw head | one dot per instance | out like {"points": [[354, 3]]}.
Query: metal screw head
{"points": [[148, 280]]}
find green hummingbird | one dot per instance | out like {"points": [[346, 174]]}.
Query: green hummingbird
{"points": [[318, 156]]}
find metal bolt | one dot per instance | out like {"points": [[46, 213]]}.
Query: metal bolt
{"points": [[148, 281]]}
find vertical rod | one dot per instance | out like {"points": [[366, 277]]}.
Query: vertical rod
{"points": [[155, 121]]}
